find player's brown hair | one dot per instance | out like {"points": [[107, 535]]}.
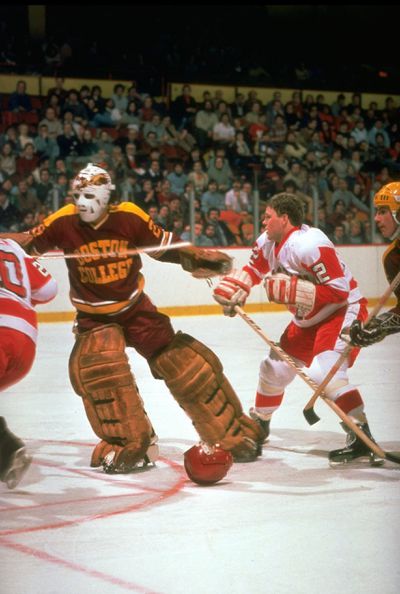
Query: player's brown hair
{"points": [[286, 203]]}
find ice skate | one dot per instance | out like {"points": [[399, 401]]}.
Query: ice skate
{"points": [[263, 420], [14, 459], [355, 449], [152, 454]]}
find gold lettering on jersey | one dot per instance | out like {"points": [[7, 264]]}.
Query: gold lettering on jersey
{"points": [[101, 248], [105, 273]]}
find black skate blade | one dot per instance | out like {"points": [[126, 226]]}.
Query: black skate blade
{"points": [[359, 462]]}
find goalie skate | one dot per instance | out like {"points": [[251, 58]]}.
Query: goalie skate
{"points": [[111, 467]]}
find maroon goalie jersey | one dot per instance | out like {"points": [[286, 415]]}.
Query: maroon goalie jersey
{"points": [[102, 283], [391, 264]]}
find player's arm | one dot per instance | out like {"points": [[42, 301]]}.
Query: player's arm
{"points": [[43, 285], [234, 288], [201, 263], [23, 239], [327, 285]]}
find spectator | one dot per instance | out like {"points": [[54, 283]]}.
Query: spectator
{"points": [[204, 123], [221, 173], [236, 199], [8, 163], [378, 128], [339, 236], [44, 187], [9, 214], [222, 232], [19, 100], [24, 137], [130, 117], [178, 179], [356, 235], [198, 178], [347, 197], [212, 197], [25, 198], [46, 147], [223, 131], [68, 143], [147, 197], [184, 108], [27, 161], [119, 98], [53, 123]]}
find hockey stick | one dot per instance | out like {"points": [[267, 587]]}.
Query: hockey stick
{"points": [[275, 347], [308, 411], [115, 254], [345, 418]]}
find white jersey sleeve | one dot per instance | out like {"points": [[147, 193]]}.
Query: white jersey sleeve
{"points": [[309, 253], [22, 284]]}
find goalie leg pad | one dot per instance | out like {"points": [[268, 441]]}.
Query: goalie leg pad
{"points": [[100, 373], [194, 375]]}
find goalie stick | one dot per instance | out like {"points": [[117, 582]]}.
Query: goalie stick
{"points": [[117, 254], [308, 411], [345, 418]]}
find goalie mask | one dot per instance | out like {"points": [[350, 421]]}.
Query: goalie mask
{"points": [[91, 190], [389, 195]]}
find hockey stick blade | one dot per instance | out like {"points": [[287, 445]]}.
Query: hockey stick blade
{"points": [[392, 457], [311, 416]]}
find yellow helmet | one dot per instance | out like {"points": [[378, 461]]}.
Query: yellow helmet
{"points": [[389, 195]]}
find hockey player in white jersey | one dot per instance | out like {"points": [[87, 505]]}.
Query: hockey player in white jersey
{"points": [[23, 284], [300, 267]]}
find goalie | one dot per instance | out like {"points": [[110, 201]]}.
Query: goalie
{"points": [[387, 218], [300, 268], [113, 312]]}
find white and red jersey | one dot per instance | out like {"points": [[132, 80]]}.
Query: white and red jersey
{"points": [[309, 253], [23, 284]]}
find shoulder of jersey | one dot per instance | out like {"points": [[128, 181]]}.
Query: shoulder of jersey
{"points": [[128, 207], [306, 238], [65, 211]]}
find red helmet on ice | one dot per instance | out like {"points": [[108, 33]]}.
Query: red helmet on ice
{"points": [[206, 465]]}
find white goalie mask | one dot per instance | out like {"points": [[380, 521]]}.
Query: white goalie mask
{"points": [[91, 190]]}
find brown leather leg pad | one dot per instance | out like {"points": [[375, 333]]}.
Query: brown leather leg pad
{"points": [[194, 375], [100, 373]]}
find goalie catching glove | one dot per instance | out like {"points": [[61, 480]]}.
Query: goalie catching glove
{"points": [[292, 291], [233, 290], [376, 330], [204, 263]]}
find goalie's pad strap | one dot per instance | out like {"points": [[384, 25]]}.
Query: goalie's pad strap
{"points": [[194, 375], [100, 373]]}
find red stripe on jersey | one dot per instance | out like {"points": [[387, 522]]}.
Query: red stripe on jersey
{"points": [[38, 275], [327, 267], [258, 266], [11, 307]]}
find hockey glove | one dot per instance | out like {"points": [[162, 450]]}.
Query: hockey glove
{"points": [[233, 290], [205, 263], [376, 330], [291, 290]]}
